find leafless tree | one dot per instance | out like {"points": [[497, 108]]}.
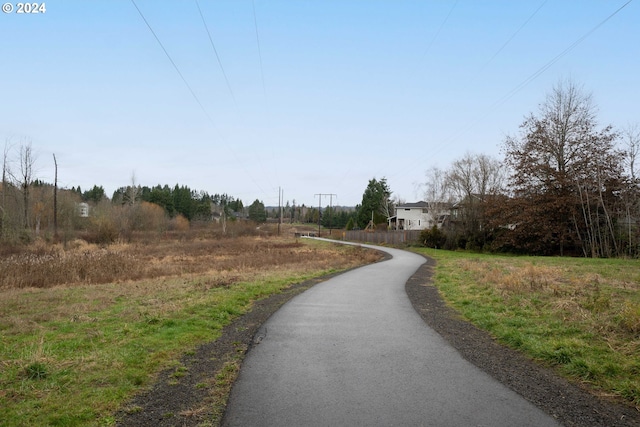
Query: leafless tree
{"points": [[27, 161], [55, 198], [631, 135], [472, 179], [5, 173], [437, 194]]}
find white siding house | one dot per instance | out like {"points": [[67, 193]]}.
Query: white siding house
{"points": [[412, 216], [83, 209]]}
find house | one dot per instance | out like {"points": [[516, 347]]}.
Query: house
{"points": [[416, 216], [83, 209]]}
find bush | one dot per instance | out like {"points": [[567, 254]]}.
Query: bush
{"points": [[102, 231], [350, 224], [433, 238], [179, 223]]}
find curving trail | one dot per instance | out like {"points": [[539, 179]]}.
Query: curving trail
{"points": [[352, 351]]}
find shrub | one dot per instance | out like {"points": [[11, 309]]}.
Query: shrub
{"points": [[36, 371], [433, 238], [102, 230], [179, 223]]}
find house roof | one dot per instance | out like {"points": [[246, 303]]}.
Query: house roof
{"points": [[413, 205]]}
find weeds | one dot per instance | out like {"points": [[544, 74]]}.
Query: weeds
{"points": [[579, 315], [85, 327], [36, 371]]}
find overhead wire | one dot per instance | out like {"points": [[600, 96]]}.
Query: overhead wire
{"points": [[555, 59], [225, 75], [525, 82], [174, 64], [424, 54], [429, 46], [435, 37], [506, 43], [264, 91], [255, 23], [216, 52]]}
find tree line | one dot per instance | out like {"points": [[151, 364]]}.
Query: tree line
{"points": [[32, 208], [565, 186]]}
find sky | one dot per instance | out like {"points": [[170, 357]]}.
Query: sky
{"points": [[247, 97]]}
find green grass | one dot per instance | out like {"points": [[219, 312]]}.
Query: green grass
{"points": [[75, 368], [580, 316]]}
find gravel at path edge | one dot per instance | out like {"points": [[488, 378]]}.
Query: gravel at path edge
{"points": [[186, 402]]}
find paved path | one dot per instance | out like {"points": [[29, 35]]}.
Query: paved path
{"points": [[351, 351]]}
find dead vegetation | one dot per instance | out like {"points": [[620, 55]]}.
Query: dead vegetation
{"points": [[224, 260], [81, 323]]}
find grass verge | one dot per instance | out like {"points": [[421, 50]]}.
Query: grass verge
{"points": [[72, 354], [580, 316]]}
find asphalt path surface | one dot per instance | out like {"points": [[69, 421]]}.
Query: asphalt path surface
{"points": [[352, 351]]}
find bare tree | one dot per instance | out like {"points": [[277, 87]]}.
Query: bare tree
{"points": [[27, 161], [436, 192], [55, 198], [471, 179], [5, 173], [631, 135]]}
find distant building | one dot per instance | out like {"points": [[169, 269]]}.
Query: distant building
{"points": [[83, 209], [411, 216], [418, 216]]}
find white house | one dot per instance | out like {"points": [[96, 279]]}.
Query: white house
{"points": [[83, 209], [419, 216], [411, 216]]}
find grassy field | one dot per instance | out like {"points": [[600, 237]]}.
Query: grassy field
{"points": [[580, 316], [83, 327]]}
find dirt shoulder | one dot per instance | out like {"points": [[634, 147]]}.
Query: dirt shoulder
{"points": [[188, 401], [568, 403]]}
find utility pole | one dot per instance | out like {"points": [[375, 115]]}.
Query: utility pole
{"points": [[280, 199], [331, 210], [55, 199], [319, 195]]}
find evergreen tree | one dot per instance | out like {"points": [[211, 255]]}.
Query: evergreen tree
{"points": [[95, 195], [257, 212], [375, 202]]}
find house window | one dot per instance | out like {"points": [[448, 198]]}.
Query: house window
{"points": [[418, 222], [425, 210]]}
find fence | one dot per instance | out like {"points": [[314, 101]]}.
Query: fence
{"points": [[386, 237]]}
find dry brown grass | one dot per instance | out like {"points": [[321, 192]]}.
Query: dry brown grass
{"points": [[225, 259], [80, 318]]}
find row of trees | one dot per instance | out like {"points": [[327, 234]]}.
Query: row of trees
{"points": [[565, 186], [30, 207], [180, 200]]}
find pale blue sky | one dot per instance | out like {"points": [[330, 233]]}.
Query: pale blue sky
{"points": [[353, 89]]}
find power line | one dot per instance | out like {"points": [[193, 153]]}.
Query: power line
{"points": [[227, 80], [173, 63], [528, 80], [439, 29], [549, 64], [264, 86], [216, 52], [195, 96], [255, 22], [504, 45]]}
